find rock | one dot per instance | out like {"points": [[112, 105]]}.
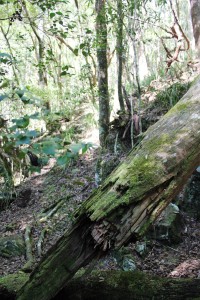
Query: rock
{"points": [[128, 264], [141, 248], [124, 259], [169, 226], [191, 197], [12, 246]]}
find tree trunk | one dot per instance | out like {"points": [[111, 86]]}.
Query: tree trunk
{"points": [[117, 285], [129, 200], [41, 49], [101, 36], [120, 52], [195, 15]]}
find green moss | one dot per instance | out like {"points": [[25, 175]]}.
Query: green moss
{"points": [[126, 185], [179, 107], [155, 143], [138, 283], [13, 282]]}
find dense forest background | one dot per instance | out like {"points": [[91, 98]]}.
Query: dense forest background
{"points": [[81, 63]]}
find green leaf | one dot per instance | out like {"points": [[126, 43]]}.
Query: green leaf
{"points": [[63, 34], [20, 93], [4, 84], [75, 148], [35, 169], [85, 147], [22, 122], [23, 140], [32, 133], [35, 116], [5, 55], [21, 155], [65, 67], [82, 45], [85, 53], [80, 148], [26, 100], [59, 13], [2, 97], [75, 51], [63, 160], [63, 73], [49, 148], [88, 31], [52, 14]]}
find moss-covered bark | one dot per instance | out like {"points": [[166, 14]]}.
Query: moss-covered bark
{"points": [[114, 285], [117, 285], [129, 200]]}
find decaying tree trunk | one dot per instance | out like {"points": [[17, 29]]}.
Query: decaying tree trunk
{"points": [[129, 200]]}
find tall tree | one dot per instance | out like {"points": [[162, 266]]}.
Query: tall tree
{"points": [[101, 36], [195, 15], [41, 46], [120, 51]]}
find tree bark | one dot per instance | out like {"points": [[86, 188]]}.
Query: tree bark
{"points": [[40, 52], [101, 36], [129, 200], [195, 15], [117, 285], [120, 53]]}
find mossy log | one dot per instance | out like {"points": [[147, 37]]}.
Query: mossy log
{"points": [[129, 200], [117, 285], [114, 285]]}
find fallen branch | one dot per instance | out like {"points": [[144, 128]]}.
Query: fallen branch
{"points": [[53, 208], [40, 241], [29, 255]]}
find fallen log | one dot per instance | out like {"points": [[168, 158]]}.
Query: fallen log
{"points": [[129, 200], [115, 285]]}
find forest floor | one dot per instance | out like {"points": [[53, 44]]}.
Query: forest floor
{"points": [[71, 186], [47, 202]]}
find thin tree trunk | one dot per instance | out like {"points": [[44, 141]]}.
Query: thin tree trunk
{"points": [[136, 64], [195, 15], [41, 72], [101, 36], [14, 67], [120, 52], [129, 200]]}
